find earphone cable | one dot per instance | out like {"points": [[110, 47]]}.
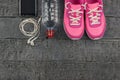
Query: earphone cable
{"points": [[35, 33]]}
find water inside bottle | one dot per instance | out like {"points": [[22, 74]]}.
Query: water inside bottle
{"points": [[50, 13]]}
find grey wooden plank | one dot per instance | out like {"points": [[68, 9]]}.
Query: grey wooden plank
{"points": [[19, 50], [58, 70], [74, 70], [7, 70], [9, 29], [83, 51], [112, 8], [21, 70], [9, 8], [39, 7], [31, 70]]}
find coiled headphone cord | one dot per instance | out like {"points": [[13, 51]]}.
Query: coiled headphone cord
{"points": [[35, 33]]}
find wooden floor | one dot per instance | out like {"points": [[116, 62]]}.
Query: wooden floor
{"points": [[58, 58]]}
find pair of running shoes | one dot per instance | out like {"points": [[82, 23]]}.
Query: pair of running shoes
{"points": [[84, 15]]}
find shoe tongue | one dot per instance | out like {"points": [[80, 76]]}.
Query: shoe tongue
{"points": [[75, 6], [94, 5]]}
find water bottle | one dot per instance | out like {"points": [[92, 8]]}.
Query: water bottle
{"points": [[50, 16]]}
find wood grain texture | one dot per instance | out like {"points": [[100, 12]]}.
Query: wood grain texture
{"points": [[83, 51], [10, 29], [60, 70], [9, 8]]}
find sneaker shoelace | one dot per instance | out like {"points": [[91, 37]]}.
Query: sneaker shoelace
{"points": [[94, 18], [75, 16]]}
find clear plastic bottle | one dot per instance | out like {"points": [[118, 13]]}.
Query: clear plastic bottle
{"points": [[50, 16]]}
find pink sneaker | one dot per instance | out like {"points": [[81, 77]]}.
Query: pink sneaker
{"points": [[74, 19], [95, 19]]}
